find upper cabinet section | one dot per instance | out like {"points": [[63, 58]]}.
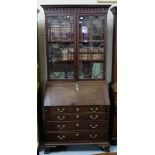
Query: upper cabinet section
{"points": [[76, 41]]}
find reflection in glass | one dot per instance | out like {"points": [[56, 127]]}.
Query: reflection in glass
{"points": [[91, 71]]}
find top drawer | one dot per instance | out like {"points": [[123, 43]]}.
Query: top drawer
{"points": [[76, 109]]}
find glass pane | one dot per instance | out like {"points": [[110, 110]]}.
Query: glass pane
{"points": [[91, 47], [61, 47], [93, 70]]}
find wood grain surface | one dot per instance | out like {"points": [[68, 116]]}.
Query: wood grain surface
{"points": [[65, 94]]}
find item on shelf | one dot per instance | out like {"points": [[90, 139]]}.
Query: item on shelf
{"points": [[55, 34], [81, 75], [85, 33], [97, 70], [57, 75], [71, 49], [70, 75], [92, 49], [102, 56]]}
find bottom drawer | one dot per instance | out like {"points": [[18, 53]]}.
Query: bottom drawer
{"points": [[81, 136]]}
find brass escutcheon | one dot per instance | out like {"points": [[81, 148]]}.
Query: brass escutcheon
{"points": [[77, 124], [77, 116]]}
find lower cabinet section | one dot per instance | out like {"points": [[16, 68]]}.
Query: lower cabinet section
{"points": [[75, 125]]}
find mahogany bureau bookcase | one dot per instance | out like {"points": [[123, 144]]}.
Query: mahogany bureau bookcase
{"points": [[76, 104]]}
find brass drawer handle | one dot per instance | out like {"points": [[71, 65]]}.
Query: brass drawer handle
{"points": [[77, 109], [61, 118], [93, 137], [60, 110], [93, 117], [61, 137], [77, 116], [61, 126], [94, 109], [93, 126]]}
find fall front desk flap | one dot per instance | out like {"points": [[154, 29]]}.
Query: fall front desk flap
{"points": [[76, 93]]}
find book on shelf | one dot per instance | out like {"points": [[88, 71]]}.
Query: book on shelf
{"points": [[89, 56], [60, 34], [67, 54], [90, 49]]}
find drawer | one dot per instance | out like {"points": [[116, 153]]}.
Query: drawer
{"points": [[91, 109], [76, 109], [75, 117], [81, 136], [58, 110], [62, 126]]}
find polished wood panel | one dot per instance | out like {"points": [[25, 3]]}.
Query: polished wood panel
{"points": [[113, 115], [114, 133], [113, 124], [65, 94], [114, 66]]}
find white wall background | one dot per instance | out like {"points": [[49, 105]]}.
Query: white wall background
{"points": [[41, 35]]}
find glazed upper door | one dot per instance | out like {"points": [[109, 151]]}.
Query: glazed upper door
{"points": [[61, 46], [90, 47], [76, 47]]}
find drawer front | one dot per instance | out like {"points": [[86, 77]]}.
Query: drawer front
{"points": [[62, 126], [81, 136], [76, 117], [76, 109]]}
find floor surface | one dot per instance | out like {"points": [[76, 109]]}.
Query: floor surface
{"points": [[80, 150]]}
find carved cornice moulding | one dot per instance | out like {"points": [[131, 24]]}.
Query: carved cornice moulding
{"points": [[75, 8], [114, 10]]}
